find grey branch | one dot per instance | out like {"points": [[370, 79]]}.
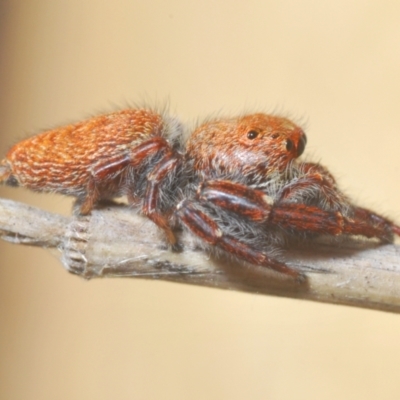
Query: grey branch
{"points": [[116, 242]]}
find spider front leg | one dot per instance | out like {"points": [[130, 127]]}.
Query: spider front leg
{"points": [[369, 218], [259, 208], [316, 184], [204, 227], [312, 182]]}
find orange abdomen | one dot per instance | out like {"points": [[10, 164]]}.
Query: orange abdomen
{"points": [[62, 160]]}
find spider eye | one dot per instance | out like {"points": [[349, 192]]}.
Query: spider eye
{"points": [[289, 145], [252, 134], [275, 136], [301, 146]]}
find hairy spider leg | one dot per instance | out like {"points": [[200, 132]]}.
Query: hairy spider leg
{"points": [[370, 218], [363, 221], [167, 165], [111, 169], [105, 171], [256, 206], [204, 227], [314, 176]]}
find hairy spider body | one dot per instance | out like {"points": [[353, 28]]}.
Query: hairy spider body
{"points": [[235, 183], [88, 160]]}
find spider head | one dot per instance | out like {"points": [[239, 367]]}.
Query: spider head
{"points": [[278, 138], [252, 144]]}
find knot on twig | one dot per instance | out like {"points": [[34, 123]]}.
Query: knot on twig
{"points": [[75, 246]]}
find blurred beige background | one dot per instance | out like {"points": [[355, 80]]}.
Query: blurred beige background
{"points": [[334, 65]]}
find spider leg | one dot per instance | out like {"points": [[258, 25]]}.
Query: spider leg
{"points": [[150, 206], [111, 169], [364, 222], [103, 172], [163, 167], [371, 219], [314, 178], [256, 206], [204, 227], [310, 219]]}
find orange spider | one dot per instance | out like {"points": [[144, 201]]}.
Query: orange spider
{"points": [[235, 183]]}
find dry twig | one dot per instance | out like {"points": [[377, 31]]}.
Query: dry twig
{"points": [[115, 241]]}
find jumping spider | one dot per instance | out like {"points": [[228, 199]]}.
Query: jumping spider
{"points": [[235, 183]]}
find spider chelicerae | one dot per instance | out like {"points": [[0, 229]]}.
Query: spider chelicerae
{"points": [[235, 183]]}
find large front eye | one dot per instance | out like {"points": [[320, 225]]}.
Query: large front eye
{"points": [[289, 145], [252, 134], [301, 146]]}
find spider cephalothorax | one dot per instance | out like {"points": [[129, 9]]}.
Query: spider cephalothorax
{"points": [[235, 183], [251, 145]]}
